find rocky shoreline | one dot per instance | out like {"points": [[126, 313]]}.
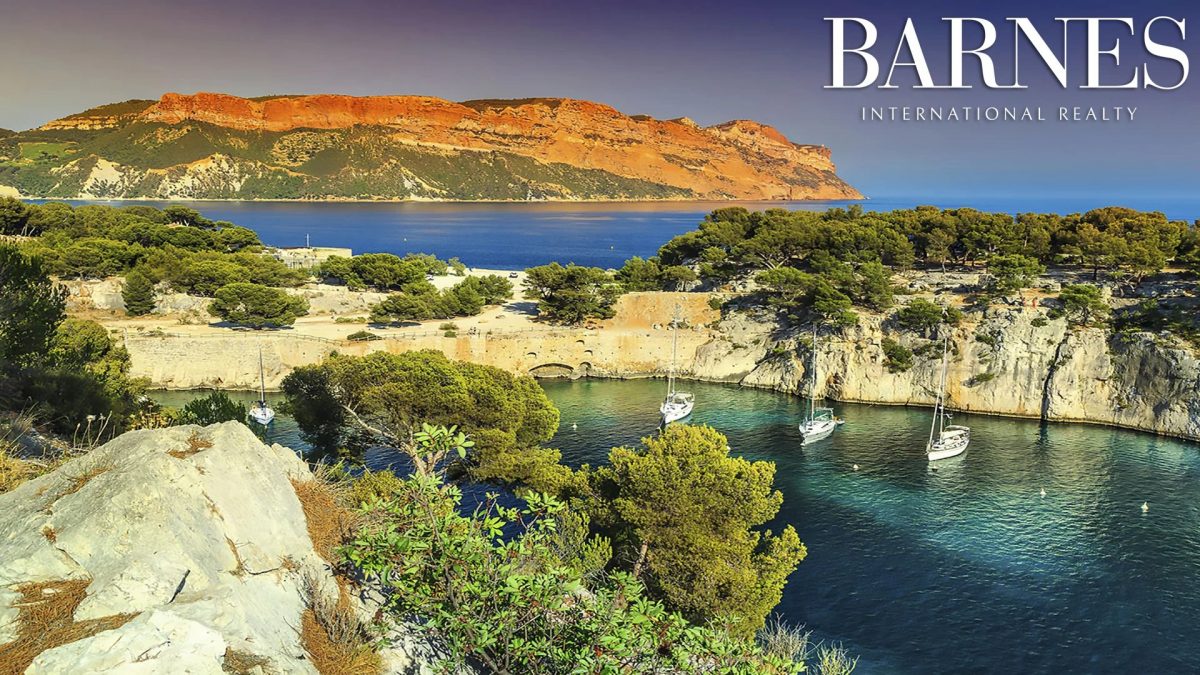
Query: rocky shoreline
{"points": [[1010, 361]]}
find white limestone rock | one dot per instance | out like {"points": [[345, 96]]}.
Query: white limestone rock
{"points": [[197, 531]]}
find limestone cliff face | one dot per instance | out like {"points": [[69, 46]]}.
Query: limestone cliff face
{"points": [[328, 146], [1007, 363]]}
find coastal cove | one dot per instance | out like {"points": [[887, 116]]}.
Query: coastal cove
{"points": [[1039, 371], [1077, 581]]}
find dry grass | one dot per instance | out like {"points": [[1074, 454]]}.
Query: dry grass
{"points": [[195, 444], [15, 471], [240, 570], [242, 663], [49, 533], [335, 639], [46, 620], [330, 524], [77, 482]]}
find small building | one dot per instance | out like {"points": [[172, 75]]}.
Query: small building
{"points": [[307, 257]]}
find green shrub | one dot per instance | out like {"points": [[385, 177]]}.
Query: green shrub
{"points": [[980, 378], [138, 294], [1083, 304], [363, 336], [31, 307], [921, 315], [257, 306], [897, 357], [421, 300], [215, 408], [514, 603]]}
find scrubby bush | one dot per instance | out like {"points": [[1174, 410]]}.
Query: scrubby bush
{"points": [[363, 336], [572, 294], [214, 408], [897, 357], [421, 301], [256, 306], [1083, 304], [138, 294], [922, 316], [514, 603]]}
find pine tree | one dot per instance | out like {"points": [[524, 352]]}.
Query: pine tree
{"points": [[138, 294]]}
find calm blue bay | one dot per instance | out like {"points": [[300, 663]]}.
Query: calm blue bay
{"points": [[507, 236], [967, 569]]}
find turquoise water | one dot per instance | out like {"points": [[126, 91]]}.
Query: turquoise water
{"points": [[966, 569], [523, 235]]}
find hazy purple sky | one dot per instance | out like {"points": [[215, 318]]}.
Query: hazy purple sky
{"points": [[711, 61]]}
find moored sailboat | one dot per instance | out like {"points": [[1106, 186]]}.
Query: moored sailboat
{"points": [[820, 422], [262, 412], [677, 404], [945, 441]]}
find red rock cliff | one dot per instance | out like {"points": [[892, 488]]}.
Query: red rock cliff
{"points": [[741, 159]]}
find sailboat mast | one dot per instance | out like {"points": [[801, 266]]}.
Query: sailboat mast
{"points": [[262, 379], [812, 392], [937, 406], [945, 371], [674, 352]]}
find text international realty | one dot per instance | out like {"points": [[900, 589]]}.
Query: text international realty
{"points": [[895, 113]]}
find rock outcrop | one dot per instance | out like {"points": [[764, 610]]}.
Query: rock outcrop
{"points": [[1009, 361], [183, 550], [209, 145]]}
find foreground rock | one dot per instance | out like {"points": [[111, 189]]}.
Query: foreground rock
{"points": [[188, 551]]}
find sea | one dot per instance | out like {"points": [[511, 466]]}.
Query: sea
{"points": [[600, 234], [962, 567]]}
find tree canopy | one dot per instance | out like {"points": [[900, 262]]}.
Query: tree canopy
{"points": [[257, 306], [31, 307], [348, 403], [689, 515], [421, 301], [97, 241], [837, 245], [571, 294], [381, 271]]}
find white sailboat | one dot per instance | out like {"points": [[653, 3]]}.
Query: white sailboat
{"points": [[262, 412], [678, 404], [820, 422], [945, 441]]}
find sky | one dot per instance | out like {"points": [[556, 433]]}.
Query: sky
{"points": [[711, 61]]}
